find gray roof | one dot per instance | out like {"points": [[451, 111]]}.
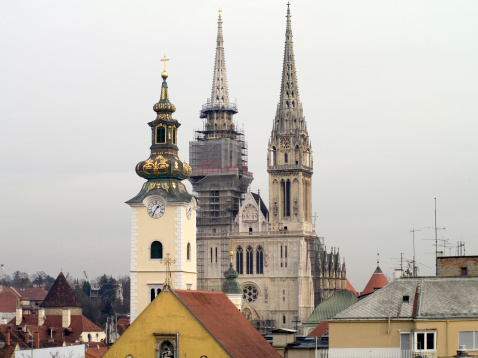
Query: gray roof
{"points": [[429, 298]]}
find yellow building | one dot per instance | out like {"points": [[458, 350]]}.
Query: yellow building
{"points": [[163, 223], [184, 323], [428, 317]]}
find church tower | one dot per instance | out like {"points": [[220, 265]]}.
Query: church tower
{"points": [[163, 234], [220, 175], [289, 159]]}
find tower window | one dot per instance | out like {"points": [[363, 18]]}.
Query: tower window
{"points": [[174, 135], [259, 260], [188, 252], [156, 250], [249, 260], [239, 260], [160, 134], [286, 158]]}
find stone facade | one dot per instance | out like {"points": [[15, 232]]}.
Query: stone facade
{"points": [[457, 266], [283, 267]]}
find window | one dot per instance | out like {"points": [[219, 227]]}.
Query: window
{"points": [[249, 260], [425, 341], [285, 188], [188, 252], [464, 271], [156, 250], [259, 260], [283, 319], [154, 290], [468, 339], [405, 341], [286, 158], [188, 286], [174, 135], [250, 293], [160, 134], [239, 260], [89, 337], [211, 254], [216, 254]]}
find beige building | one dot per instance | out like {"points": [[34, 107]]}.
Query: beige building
{"points": [[283, 266], [427, 317], [163, 222]]}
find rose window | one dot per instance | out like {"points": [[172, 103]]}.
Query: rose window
{"points": [[250, 293]]}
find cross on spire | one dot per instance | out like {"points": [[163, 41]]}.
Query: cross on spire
{"points": [[288, 5], [164, 60], [168, 261]]}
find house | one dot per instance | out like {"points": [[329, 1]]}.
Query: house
{"points": [[457, 266], [426, 316], [31, 298], [10, 300], [188, 323], [58, 322]]}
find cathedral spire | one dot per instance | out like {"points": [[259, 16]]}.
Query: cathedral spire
{"points": [[220, 93]]}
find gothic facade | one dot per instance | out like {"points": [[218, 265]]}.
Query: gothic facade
{"points": [[283, 267]]}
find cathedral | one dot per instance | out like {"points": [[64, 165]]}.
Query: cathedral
{"points": [[283, 267]]}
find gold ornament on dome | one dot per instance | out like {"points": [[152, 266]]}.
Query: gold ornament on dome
{"points": [[186, 169], [176, 168]]}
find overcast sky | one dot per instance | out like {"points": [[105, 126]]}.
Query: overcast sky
{"points": [[389, 91]]}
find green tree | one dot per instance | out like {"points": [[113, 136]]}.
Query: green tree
{"points": [[20, 279]]}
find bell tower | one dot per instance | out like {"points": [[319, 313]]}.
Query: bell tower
{"points": [[289, 158], [163, 222]]}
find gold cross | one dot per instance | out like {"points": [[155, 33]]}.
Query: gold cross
{"points": [[168, 261], [220, 12], [164, 60]]}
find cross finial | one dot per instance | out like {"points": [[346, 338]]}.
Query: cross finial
{"points": [[168, 261], [378, 259], [220, 12], [164, 60], [288, 5]]}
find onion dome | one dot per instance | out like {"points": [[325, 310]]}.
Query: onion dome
{"points": [[231, 285], [163, 169]]}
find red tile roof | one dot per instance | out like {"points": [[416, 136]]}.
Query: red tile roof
{"points": [[32, 293], [8, 300], [377, 281], [52, 328], [230, 328], [7, 351], [349, 287], [60, 294], [320, 330]]}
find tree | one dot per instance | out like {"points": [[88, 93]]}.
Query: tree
{"points": [[86, 287], [108, 287], [20, 279]]}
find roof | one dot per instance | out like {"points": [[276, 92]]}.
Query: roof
{"points": [[32, 293], [53, 323], [60, 294], [349, 287], [226, 324], [8, 351], [8, 300], [419, 298], [339, 301], [262, 205], [377, 281], [320, 330]]}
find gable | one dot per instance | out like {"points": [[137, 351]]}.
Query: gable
{"points": [[166, 314]]}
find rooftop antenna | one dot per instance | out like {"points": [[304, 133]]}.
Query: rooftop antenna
{"points": [[414, 265], [436, 239]]}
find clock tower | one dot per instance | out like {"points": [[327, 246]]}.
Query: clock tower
{"points": [[163, 222]]}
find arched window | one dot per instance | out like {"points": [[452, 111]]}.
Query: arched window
{"points": [[274, 160], [156, 250], [160, 134], [286, 158], [283, 319], [188, 252], [239, 260], [153, 294], [259, 260], [174, 135], [89, 337], [249, 260]]}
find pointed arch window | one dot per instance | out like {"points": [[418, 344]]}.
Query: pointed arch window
{"points": [[239, 260], [286, 158], [249, 260], [274, 160], [156, 250], [259, 260]]}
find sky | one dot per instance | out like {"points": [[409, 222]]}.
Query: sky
{"points": [[389, 91]]}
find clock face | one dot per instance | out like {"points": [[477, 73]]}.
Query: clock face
{"points": [[188, 212], [156, 209], [285, 142]]}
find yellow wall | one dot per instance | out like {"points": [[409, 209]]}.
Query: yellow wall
{"points": [[374, 334], [366, 334], [166, 314]]}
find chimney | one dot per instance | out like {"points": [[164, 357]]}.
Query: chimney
{"points": [[27, 335], [66, 318], [4, 321], [41, 317], [36, 336], [7, 337], [18, 316]]}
